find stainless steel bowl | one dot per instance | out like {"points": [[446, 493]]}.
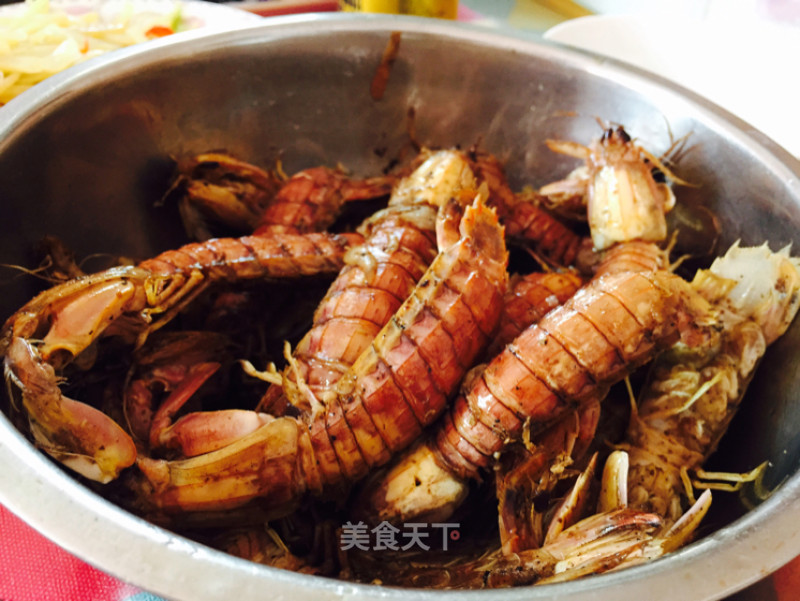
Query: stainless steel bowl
{"points": [[85, 155]]}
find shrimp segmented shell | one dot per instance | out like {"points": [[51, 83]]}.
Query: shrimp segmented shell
{"points": [[381, 403]]}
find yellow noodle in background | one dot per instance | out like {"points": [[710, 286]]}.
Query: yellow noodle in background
{"points": [[39, 40]]}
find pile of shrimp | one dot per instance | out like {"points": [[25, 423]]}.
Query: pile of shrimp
{"points": [[421, 378]]}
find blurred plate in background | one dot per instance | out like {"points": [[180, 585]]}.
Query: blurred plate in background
{"points": [[195, 13], [742, 67], [40, 38]]}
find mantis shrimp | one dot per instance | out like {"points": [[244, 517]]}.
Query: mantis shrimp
{"points": [[400, 242], [623, 200], [381, 404], [551, 368], [131, 302], [556, 364], [569, 358], [390, 365], [692, 394], [452, 310], [221, 188]]}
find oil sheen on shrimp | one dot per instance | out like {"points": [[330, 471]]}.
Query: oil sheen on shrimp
{"points": [[400, 243]]}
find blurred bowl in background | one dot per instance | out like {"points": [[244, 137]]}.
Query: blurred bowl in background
{"points": [[739, 66]]}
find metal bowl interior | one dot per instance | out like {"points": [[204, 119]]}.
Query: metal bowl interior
{"points": [[86, 154]]}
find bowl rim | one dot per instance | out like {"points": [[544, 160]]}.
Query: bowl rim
{"points": [[175, 567]]}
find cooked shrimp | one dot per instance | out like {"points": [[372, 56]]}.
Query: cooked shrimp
{"points": [[400, 243], [62, 322], [624, 201], [569, 358], [381, 403], [247, 198], [693, 393]]}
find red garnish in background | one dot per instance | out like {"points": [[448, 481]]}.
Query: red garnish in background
{"points": [[158, 31]]}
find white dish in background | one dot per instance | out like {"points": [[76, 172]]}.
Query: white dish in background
{"points": [[745, 69]]}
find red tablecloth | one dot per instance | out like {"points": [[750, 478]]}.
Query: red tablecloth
{"points": [[34, 569]]}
